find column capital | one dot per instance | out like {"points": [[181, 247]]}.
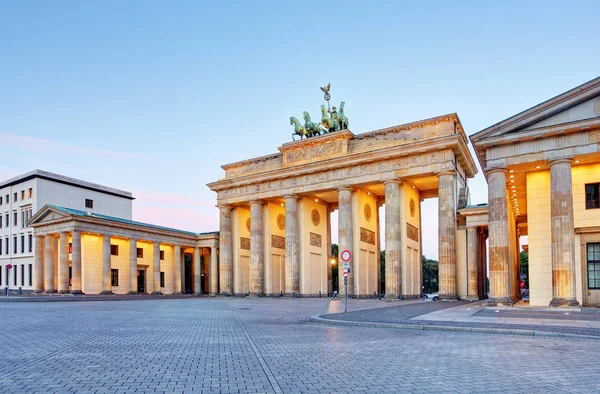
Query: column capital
{"points": [[445, 172], [224, 206], [254, 202], [347, 187], [66, 232], [487, 172], [39, 236], [291, 196], [560, 161], [471, 227], [396, 181]]}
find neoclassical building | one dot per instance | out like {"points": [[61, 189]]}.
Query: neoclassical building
{"points": [[275, 229], [543, 172], [84, 252]]}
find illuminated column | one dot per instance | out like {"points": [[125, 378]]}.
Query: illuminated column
{"points": [[472, 263], [76, 283], [292, 246], [498, 239], [49, 264], [447, 234], [393, 254], [563, 234], [329, 265], [177, 268], [133, 266], [197, 272], [106, 265], [225, 247], [345, 234], [38, 267], [257, 267], [156, 267], [214, 271], [63, 264]]}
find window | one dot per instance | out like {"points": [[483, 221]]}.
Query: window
{"points": [[162, 254], [30, 194], [114, 250], [0, 247], [592, 196], [0, 200], [22, 195], [15, 275], [7, 222], [22, 243], [162, 279], [15, 217], [15, 245], [30, 243], [15, 199], [31, 274], [89, 203], [114, 277], [0, 276], [7, 200], [22, 274], [593, 265], [70, 276], [140, 253], [6, 246]]}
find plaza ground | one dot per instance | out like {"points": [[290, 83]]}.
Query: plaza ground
{"points": [[237, 345]]}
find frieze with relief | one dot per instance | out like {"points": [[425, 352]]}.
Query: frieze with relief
{"points": [[367, 236], [245, 243], [277, 242], [412, 232], [316, 240]]}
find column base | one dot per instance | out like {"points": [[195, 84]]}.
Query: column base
{"points": [[63, 292], [77, 292], [38, 291], [256, 295], [392, 297], [225, 294], [133, 292], [106, 292], [500, 301], [564, 303], [49, 291], [156, 293], [177, 293], [448, 297], [212, 294], [472, 298]]}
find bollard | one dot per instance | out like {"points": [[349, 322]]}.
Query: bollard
{"points": [[319, 293]]}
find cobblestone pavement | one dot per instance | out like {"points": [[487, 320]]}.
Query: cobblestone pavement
{"points": [[267, 345]]}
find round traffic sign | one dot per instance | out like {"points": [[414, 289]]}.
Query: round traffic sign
{"points": [[346, 255], [9, 266]]}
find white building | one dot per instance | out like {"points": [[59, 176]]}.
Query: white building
{"points": [[23, 196]]}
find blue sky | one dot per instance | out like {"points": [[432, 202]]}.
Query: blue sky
{"points": [[153, 96]]}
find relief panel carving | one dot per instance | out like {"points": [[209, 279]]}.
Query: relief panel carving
{"points": [[412, 232], [367, 236], [315, 240], [277, 242], [244, 243]]}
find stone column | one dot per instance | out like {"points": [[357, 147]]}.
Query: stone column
{"points": [[498, 239], [226, 250], [49, 264], [393, 254], [177, 268], [38, 267], [329, 255], [214, 271], [156, 268], [63, 264], [292, 246], [257, 267], [345, 229], [133, 266], [76, 269], [197, 272], [106, 265], [378, 205], [472, 264], [447, 235], [563, 234]]}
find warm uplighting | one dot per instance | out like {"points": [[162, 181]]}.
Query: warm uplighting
{"points": [[282, 204], [512, 171], [577, 161], [538, 166], [332, 261], [316, 200], [512, 181], [512, 176], [513, 186]]}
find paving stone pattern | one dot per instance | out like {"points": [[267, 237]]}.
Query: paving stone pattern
{"points": [[264, 345]]}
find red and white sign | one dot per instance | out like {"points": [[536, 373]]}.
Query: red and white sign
{"points": [[346, 255], [9, 266]]}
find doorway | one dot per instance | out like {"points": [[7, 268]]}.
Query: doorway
{"points": [[189, 274], [141, 281]]}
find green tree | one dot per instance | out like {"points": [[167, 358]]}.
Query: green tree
{"points": [[382, 270], [430, 275]]}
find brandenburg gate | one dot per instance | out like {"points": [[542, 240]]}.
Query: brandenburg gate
{"points": [[275, 229]]}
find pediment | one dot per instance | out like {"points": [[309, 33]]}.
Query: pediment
{"points": [[576, 105], [46, 215]]}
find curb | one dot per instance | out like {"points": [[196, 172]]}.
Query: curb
{"points": [[474, 330]]}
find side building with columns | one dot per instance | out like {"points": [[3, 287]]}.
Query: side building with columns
{"points": [[542, 167], [83, 252], [275, 227]]}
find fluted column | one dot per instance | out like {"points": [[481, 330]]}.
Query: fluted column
{"points": [[76, 282], [49, 264], [393, 254], [447, 234], [197, 272], [214, 271], [498, 239], [292, 246], [133, 289], [329, 265], [38, 267], [63, 264], [177, 268], [472, 263], [257, 266], [226, 250], [345, 235], [156, 267], [106, 265], [563, 234]]}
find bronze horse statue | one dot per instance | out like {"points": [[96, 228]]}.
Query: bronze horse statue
{"points": [[298, 129]]}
